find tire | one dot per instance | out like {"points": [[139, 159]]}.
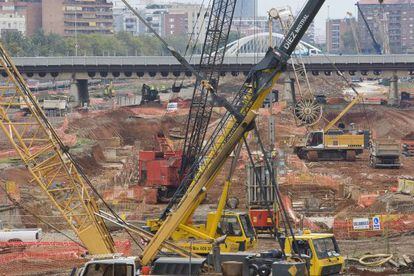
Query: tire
{"points": [[18, 248]]}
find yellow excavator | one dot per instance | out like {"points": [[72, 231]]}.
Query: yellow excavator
{"points": [[332, 143], [54, 169]]}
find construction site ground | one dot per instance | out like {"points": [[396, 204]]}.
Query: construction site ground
{"points": [[108, 141]]}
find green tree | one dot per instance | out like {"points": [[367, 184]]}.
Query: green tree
{"points": [[16, 44], [48, 44]]}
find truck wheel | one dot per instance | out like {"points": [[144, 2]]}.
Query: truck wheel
{"points": [[253, 269], [350, 155], [19, 248], [264, 270]]}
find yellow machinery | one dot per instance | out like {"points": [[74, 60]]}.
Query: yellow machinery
{"points": [[199, 237], [230, 131], [322, 250], [46, 158], [333, 144]]}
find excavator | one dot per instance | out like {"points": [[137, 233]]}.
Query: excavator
{"points": [[54, 169], [333, 143]]}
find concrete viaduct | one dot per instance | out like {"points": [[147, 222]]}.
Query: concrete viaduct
{"points": [[83, 68], [88, 67]]}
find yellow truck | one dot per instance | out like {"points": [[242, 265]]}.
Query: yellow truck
{"points": [[332, 145], [322, 251]]}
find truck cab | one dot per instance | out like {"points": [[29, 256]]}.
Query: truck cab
{"points": [[322, 250], [122, 266]]}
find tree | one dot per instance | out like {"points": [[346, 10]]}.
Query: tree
{"points": [[15, 43], [120, 44]]}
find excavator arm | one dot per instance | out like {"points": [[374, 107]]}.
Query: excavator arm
{"points": [[332, 123], [230, 131]]}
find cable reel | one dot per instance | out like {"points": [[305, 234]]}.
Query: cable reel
{"points": [[308, 112]]}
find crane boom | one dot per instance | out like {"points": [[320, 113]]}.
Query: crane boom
{"points": [[214, 47], [355, 101], [232, 128], [49, 162], [218, 29]]}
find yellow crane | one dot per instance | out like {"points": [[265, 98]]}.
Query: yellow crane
{"points": [[333, 143], [49, 163]]}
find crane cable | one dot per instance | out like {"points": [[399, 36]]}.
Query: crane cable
{"points": [[197, 37], [188, 46], [54, 137], [350, 86], [27, 210]]}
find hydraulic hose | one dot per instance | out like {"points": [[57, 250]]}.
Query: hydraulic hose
{"points": [[384, 258]]}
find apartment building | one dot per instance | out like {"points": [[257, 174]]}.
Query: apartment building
{"points": [[70, 17], [392, 24]]}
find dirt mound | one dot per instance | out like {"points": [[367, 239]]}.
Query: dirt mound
{"points": [[90, 161], [125, 124], [384, 121]]}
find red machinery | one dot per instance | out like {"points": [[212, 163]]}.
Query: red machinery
{"points": [[158, 170], [261, 193], [262, 219]]}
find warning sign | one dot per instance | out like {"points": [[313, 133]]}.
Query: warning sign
{"points": [[376, 223], [360, 223]]}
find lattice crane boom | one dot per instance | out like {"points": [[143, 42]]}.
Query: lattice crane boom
{"points": [[48, 161], [214, 47]]}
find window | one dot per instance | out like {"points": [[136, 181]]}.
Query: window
{"points": [[102, 269], [304, 248], [315, 139], [230, 226], [247, 226], [325, 247], [99, 270]]}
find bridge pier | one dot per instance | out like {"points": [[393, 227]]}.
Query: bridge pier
{"points": [[289, 91], [79, 90], [394, 95]]}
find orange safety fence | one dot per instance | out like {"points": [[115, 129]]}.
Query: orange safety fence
{"points": [[312, 179], [388, 224], [52, 251]]}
